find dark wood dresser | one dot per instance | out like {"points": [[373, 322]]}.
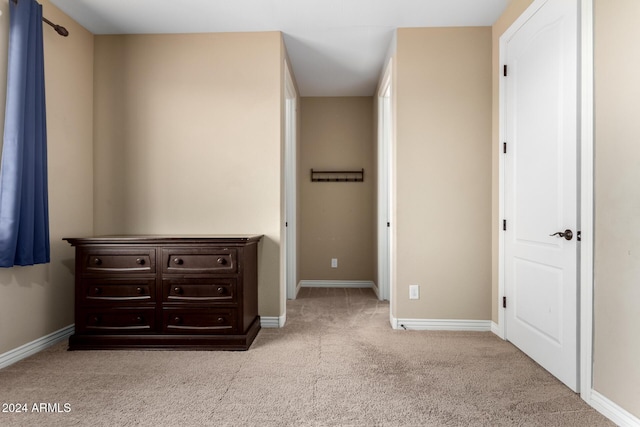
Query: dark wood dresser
{"points": [[183, 292]]}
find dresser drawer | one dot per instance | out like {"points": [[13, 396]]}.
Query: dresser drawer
{"points": [[199, 261], [110, 261], [199, 321], [97, 291], [125, 321], [212, 290]]}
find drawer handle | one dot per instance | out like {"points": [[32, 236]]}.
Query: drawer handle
{"points": [[178, 261], [221, 319], [220, 290], [177, 290], [177, 320], [97, 261], [96, 320], [97, 291], [140, 319], [221, 261], [140, 261], [140, 291]]}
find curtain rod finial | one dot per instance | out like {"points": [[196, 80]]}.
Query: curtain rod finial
{"points": [[61, 30]]}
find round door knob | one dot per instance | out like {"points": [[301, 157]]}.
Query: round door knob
{"points": [[178, 261], [177, 320], [96, 320], [140, 291], [97, 291], [177, 290], [97, 261], [220, 319], [140, 319], [140, 261], [221, 261], [220, 290]]}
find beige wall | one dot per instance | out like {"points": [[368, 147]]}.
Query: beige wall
{"points": [[443, 172], [617, 210], [337, 218], [188, 135], [38, 300]]}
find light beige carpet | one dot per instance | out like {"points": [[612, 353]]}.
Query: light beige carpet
{"points": [[335, 363]]}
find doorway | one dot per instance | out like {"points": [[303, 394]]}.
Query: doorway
{"points": [[337, 246]]}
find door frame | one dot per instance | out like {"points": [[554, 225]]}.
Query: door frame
{"points": [[384, 209], [587, 191], [585, 187], [290, 183]]}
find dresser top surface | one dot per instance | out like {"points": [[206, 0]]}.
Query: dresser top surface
{"points": [[163, 239]]}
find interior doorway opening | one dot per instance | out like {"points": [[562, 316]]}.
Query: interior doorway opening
{"points": [[377, 177]]}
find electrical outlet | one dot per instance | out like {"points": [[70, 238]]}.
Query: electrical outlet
{"points": [[414, 291], [334, 262]]}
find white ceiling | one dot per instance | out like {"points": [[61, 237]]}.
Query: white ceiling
{"points": [[336, 47]]}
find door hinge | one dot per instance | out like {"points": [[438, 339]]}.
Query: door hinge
{"points": [[286, 224], [504, 147], [504, 302], [504, 225], [388, 224], [504, 70], [579, 236]]}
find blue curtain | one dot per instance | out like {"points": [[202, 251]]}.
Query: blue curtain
{"points": [[24, 213]]}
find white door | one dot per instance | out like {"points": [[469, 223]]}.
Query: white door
{"points": [[541, 186]]}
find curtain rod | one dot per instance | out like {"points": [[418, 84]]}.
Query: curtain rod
{"points": [[59, 28]]}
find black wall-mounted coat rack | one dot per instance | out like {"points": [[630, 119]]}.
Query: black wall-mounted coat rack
{"points": [[337, 175]]}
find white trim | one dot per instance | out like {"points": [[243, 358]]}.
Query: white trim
{"points": [[33, 347], [376, 290], [273, 322], [290, 184], [352, 284], [393, 321], [298, 286], [385, 136], [586, 200], [612, 411], [386, 185], [495, 328], [443, 325]]}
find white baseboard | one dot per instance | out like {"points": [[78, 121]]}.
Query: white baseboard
{"points": [[495, 328], [273, 321], [353, 284], [376, 290], [442, 325], [612, 411], [31, 348]]}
